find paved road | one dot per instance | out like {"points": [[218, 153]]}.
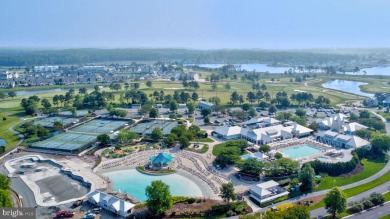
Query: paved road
{"points": [[377, 212]]}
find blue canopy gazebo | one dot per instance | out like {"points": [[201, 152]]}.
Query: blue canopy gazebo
{"points": [[3, 143], [161, 160]]}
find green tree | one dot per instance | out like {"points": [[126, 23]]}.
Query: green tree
{"points": [[46, 104], [205, 112], [30, 106], [5, 198], [42, 132], [149, 84], [156, 134], [191, 108], [227, 192], [5, 182], [57, 125], [272, 109], [380, 144], [278, 155], [12, 94], [173, 106], [251, 166], [246, 107], [184, 142], [2, 95], [159, 198], [307, 177], [300, 112], [169, 140], [227, 86], [104, 139], [364, 114], [206, 120], [214, 86], [335, 201], [265, 148], [153, 113]]}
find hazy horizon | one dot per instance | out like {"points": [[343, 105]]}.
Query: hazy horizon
{"points": [[197, 25]]}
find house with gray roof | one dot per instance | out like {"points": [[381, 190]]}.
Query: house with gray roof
{"points": [[110, 203], [341, 140], [205, 105]]}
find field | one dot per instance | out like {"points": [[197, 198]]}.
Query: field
{"points": [[357, 190], [370, 168], [280, 83], [11, 138]]}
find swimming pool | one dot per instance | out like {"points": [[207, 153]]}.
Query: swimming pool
{"points": [[300, 151], [133, 182], [246, 156]]}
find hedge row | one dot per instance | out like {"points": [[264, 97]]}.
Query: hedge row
{"points": [[335, 169]]}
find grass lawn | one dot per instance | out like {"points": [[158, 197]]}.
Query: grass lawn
{"points": [[217, 149], [370, 168], [204, 140], [387, 196], [11, 138], [357, 190], [385, 217]]}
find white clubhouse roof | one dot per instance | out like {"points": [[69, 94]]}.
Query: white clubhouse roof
{"points": [[262, 188], [267, 120], [351, 140], [228, 130]]}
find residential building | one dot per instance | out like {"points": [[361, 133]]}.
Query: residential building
{"points": [[267, 191], [205, 105], [341, 140], [46, 68], [270, 134], [339, 123], [8, 75], [110, 203], [263, 135]]}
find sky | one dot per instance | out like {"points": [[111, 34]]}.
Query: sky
{"points": [[196, 24]]}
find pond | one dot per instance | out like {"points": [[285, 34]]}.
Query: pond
{"points": [[133, 182], [347, 86], [43, 91], [380, 70], [251, 67]]}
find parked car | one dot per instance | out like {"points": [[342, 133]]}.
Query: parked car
{"points": [[95, 210], [65, 213], [89, 216], [77, 203]]}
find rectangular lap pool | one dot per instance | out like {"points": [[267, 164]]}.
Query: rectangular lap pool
{"points": [[300, 151]]}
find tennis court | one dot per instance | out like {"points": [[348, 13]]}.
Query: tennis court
{"points": [[147, 128], [99, 126], [68, 142], [49, 121]]}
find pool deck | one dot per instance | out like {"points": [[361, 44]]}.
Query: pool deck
{"points": [[188, 164], [72, 165]]}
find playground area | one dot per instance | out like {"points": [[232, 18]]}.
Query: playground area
{"points": [[49, 121], [67, 142], [146, 128], [100, 126]]}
